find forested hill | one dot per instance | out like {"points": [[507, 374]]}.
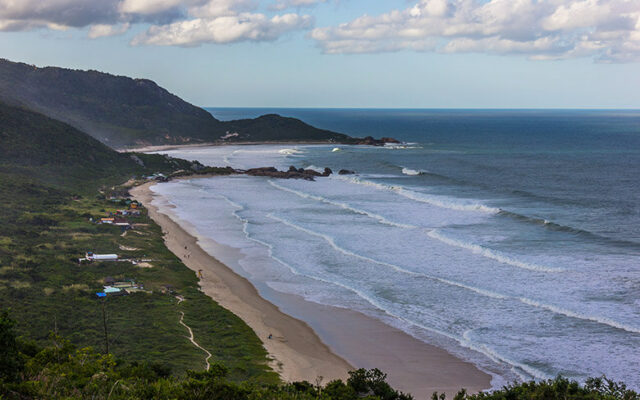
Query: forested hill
{"points": [[125, 112], [52, 152]]}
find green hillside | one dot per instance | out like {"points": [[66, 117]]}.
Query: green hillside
{"points": [[124, 112], [55, 183], [273, 127]]}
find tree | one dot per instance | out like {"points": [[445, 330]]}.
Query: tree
{"points": [[11, 363]]}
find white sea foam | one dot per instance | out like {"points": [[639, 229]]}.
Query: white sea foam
{"points": [[496, 356], [314, 168], [395, 267], [476, 290], [438, 201], [572, 314], [411, 172], [492, 254], [288, 152], [345, 206]]}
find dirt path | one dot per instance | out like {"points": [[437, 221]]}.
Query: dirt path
{"points": [[192, 339]]}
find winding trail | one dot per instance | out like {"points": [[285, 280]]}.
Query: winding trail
{"points": [[191, 337]]}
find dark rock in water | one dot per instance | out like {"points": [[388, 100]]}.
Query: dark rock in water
{"points": [[371, 141], [262, 170], [293, 169], [311, 172], [327, 172], [272, 172], [345, 172]]}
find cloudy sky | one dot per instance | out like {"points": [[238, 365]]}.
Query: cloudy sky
{"points": [[345, 53]]}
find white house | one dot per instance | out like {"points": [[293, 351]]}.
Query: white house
{"points": [[101, 257]]}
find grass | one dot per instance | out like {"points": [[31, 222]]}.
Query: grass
{"points": [[45, 230]]}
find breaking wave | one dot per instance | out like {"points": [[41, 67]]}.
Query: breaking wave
{"points": [[437, 201]]}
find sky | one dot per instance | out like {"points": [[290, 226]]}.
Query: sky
{"points": [[345, 53]]}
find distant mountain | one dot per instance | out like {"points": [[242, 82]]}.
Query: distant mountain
{"points": [[126, 112]]}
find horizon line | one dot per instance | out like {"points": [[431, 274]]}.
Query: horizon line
{"points": [[436, 108]]}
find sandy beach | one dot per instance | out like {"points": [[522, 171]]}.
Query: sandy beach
{"points": [[332, 341], [167, 147]]}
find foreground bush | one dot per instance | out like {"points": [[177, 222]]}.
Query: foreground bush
{"points": [[62, 371]]}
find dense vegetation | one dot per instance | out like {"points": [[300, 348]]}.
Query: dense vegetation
{"points": [[273, 127], [125, 112], [60, 370], [53, 180]]}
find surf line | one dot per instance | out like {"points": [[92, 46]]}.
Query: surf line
{"points": [[483, 292], [474, 248]]}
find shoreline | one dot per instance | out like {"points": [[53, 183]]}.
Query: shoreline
{"points": [[299, 348], [295, 356], [166, 147]]}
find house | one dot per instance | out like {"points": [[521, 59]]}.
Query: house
{"points": [[111, 289], [100, 257], [129, 286]]}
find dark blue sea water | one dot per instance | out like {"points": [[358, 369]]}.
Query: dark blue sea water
{"points": [[511, 238]]}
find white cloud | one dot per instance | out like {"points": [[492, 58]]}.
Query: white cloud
{"points": [[607, 30], [147, 7], [225, 29], [18, 15], [103, 30], [175, 22]]}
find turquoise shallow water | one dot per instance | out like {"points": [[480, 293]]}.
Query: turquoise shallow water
{"points": [[511, 238]]}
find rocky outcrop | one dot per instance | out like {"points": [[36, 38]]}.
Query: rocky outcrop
{"points": [[345, 172], [292, 173], [371, 141]]}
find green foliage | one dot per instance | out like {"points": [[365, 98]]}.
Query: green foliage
{"points": [[49, 194], [10, 360], [374, 382], [125, 112], [274, 128], [114, 109], [554, 389]]}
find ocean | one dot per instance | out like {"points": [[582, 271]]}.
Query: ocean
{"points": [[510, 238]]}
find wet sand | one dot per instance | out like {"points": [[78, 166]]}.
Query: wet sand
{"points": [[332, 341]]}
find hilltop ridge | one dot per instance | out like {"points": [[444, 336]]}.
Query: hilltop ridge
{"points": [[126, 112]]}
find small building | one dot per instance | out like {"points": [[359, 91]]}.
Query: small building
{"points": [[108, 220], [124, 284], [101, 257]]}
